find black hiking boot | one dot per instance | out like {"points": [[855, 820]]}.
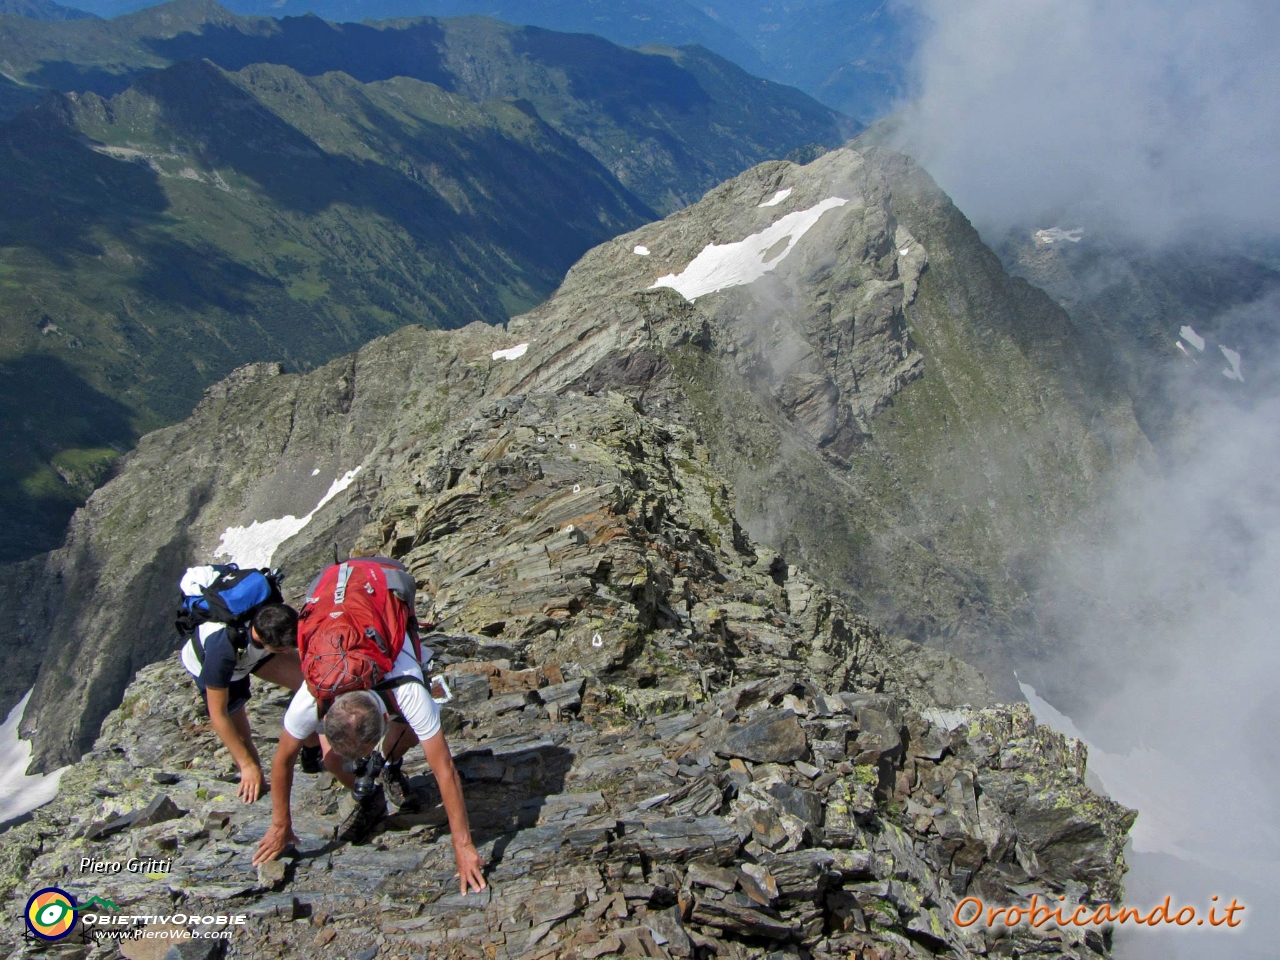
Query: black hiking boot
{"points": [[399, 792], [312, 760], [364, 819]]}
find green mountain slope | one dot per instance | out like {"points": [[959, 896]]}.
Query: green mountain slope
{"points": [[850, 54], [668, 123], [16, 96], [204, 219]]}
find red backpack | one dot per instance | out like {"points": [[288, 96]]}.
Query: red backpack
{"points": [[354, 625]]}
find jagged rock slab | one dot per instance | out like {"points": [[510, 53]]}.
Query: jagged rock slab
{"points": [[590, 850]]}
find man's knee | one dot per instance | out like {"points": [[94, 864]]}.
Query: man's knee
{"points": [[282, 670]]}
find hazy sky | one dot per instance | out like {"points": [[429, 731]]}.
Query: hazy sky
{"points": [[1159, 114]]}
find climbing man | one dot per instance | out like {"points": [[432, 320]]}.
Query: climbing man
{"points": [[365, 692], [238, 627]]}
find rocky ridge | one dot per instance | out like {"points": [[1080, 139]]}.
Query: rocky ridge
{"points": [[858, 399], [673, 742]]}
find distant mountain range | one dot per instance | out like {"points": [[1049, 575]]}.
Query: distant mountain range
{"points": [[668, 123], [41, 10], [849, 54], [212, 189]]}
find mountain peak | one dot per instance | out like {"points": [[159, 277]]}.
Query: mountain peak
{"points": [[178, 16]]}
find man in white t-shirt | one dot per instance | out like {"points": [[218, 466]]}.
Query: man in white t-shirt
{"points": [[397, 712]]}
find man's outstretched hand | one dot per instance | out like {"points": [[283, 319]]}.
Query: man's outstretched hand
{"points": [[470, 867], [276, 842], [251, 783]]}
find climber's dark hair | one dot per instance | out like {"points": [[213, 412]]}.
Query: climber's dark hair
{"points": [[276, 625]]}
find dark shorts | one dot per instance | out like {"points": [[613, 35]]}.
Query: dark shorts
{"points": [[238, 692]]}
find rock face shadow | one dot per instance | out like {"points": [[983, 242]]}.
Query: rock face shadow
{"points": [[511, 787]]}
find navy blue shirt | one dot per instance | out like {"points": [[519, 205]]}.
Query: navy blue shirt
{"points": [[223, 663]]}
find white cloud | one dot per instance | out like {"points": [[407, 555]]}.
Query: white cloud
{"points": [[1156, 116]]}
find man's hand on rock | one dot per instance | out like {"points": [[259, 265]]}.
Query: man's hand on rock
{"points": [[277, 840], [251, 783], [470, 867]]}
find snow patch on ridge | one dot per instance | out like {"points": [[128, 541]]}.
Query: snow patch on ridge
{"points": [[254, 545], [776, 199], [1232, 372], [511, 353], [21, 794], [734, 264], [1056, 234], [1193, 338], [641, 251]]}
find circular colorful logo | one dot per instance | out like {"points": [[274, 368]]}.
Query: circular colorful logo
{"points": [[51, 913]]}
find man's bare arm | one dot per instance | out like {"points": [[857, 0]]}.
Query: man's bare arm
{"points": [[241, 748], [281, 834], [470, 866]]}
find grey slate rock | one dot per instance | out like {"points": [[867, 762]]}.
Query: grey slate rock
{"points": [[772, 737], [741, 915], [680, 839], [197, 950], [158, 810], [805, 805]]}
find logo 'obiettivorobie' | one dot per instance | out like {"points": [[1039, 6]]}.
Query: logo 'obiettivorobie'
{"points": [[52, 913]]}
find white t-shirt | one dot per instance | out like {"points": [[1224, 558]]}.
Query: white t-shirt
{"points": [[413, 699]]}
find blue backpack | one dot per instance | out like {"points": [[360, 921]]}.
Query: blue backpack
{"points": [[231, 599]]}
